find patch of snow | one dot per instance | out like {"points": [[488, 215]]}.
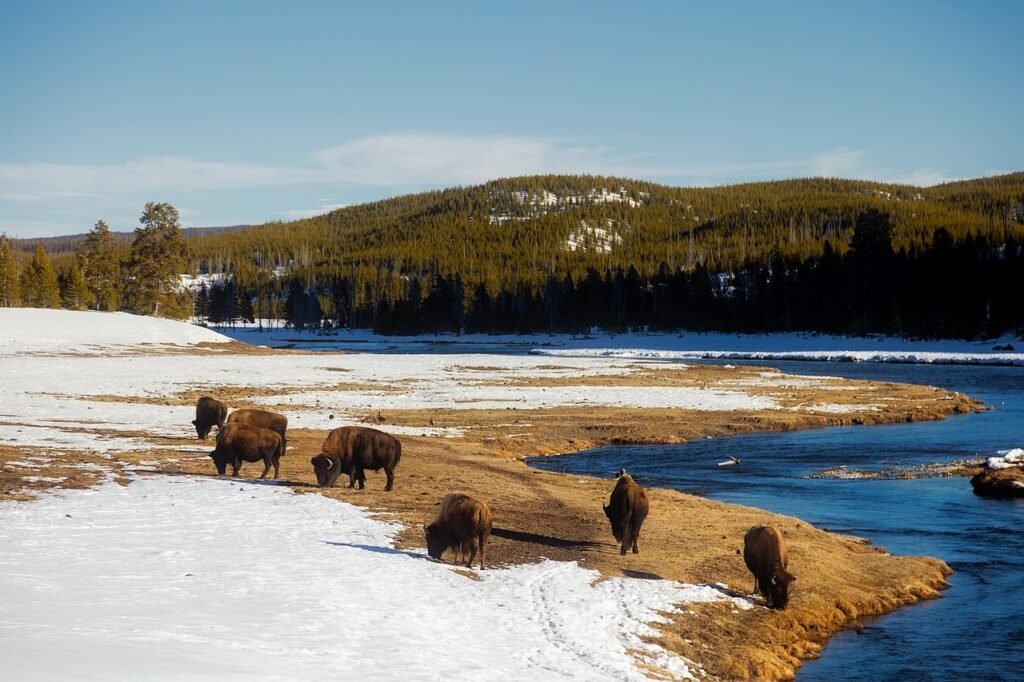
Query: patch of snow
{"points": [[182, 578], [38, 331]]}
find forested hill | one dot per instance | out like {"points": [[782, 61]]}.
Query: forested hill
{"points": [[567, 252]]}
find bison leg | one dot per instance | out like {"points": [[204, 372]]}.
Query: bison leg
{"points": [[277, 465], [235, 466], [482, 541], [361, 477], [390, 473], [472, 553], [266, 467]]}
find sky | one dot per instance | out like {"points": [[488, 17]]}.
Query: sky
{"points": [[248, 112]]}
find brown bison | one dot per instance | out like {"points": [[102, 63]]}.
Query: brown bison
{"points": [[209, 413], [237, 443], [461, 522], [264, 419], [626, 510], [764, 552], [352, 450]]}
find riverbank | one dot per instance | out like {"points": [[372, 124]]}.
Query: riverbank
{"points": [[81, 418]]}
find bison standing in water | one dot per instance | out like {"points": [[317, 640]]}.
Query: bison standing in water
{"points": [[626, 510], [461, 521], [237, 443], [209, 413], [265, 419], [764, 552], [352, 450]]}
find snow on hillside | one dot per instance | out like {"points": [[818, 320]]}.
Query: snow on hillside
{"points": [[202, 578]]}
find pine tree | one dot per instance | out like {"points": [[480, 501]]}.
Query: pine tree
{"points": [[39, 287], [10, 294], [100, 267], [159, 254], [74, 293]]}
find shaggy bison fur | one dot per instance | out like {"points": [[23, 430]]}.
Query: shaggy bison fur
{"points": [[461, 522], [209, 413], [352, 450], [237, 443], [764, 552], [626, 510], [264, 419]]}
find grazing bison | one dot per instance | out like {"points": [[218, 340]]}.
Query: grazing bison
{"points": [[209, 413], [264, 419], [764, 552], [237, 443], [626, 511], [352, 450], [327, 469], [461, 522]]}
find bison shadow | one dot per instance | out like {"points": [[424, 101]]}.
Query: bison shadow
{"points": [[376, 549], [546, 540], [641, 575]]}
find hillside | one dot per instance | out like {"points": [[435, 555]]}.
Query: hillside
{"points": [[567, 252]]}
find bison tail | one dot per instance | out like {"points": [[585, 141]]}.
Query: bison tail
{"points": [[398, 450]]}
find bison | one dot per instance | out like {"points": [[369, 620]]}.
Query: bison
{"points": [[626, 510], [237, 443], [209, 413], [764, 552], [264, 419], [461, 522], [352, 450]]}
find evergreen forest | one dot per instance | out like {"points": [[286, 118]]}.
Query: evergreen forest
{"points": [[569, 253]]}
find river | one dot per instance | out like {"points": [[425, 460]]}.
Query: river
{"points": [[976, 631]]}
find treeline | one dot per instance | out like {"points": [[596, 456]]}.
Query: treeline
{"points": [[106, 273], [974, 288], [565, 253]]}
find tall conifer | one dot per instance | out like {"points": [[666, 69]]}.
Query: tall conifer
{"points": [[100, 267], [160, 254], [38, 282]]}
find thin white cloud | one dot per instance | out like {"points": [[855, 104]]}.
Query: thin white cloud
{"points": [[300, 213]]}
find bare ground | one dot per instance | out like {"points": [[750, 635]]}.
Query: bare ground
{"points": [[539, 514]]}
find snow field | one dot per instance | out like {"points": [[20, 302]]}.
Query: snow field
{"points": [[187, 578]]}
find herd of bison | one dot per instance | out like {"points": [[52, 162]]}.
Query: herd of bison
{"points": [[463, 523]]}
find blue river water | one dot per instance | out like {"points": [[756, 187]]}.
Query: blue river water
{"points": [[976, 631]]}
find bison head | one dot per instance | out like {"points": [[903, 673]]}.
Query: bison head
{"points": [[202, 430], [326, 470], [438, 540], [220, 462], [778, 588]]}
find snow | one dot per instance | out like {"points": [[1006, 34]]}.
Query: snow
{"points": [[186, 578], [1006, 459], [38, 331], [65, 390]]}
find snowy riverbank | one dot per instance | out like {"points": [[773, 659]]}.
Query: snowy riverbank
{"points": [[675, 346]]}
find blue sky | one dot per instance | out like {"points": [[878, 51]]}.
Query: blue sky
{"points": [[244, 112]]}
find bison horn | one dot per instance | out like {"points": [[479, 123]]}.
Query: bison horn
{"points": [[330, 463]]}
